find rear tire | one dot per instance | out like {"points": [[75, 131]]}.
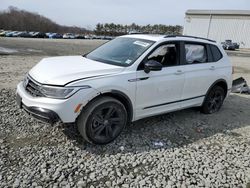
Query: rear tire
{"points": [[102, 120], [213, 100]]}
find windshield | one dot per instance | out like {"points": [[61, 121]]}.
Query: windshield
{"points": [[120, 51]]}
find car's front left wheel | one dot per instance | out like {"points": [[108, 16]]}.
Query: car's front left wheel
{"points": [[102, 120]]}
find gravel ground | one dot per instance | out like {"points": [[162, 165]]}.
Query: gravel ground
{"points": [[195, 151], [46, 47], [180, 149]]}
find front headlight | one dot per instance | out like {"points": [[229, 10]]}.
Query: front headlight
{"points": [[60, 92]]}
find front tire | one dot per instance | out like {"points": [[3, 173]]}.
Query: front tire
{"points": [[213, 100], [102, 120]]}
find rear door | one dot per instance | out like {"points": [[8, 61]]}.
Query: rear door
{"points": [[200, 72]]}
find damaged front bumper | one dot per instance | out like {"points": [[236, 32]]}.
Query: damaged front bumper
{"points": [[42, 114]]}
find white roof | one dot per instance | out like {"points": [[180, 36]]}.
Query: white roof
{"points": [[218, 12]]}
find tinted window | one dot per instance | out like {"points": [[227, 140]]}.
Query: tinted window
{"points": [[166, 54], [216, 53], [195, 53]]}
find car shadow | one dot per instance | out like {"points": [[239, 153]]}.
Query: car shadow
{"points": [[172, 130]]}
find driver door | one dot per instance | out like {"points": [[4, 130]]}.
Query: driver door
{"points": [[160, 91]]}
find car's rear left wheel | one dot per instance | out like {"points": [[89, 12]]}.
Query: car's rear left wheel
{"points": [[102, 120], [213, 100]]}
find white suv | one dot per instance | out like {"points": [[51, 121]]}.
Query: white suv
{"points": [[126, 79]]}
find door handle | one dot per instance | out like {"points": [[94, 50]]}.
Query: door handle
{"points": [[212, 68], [178, 72]]}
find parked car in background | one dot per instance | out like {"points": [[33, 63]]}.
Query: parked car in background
{"points": [[69, 36], [31, 33], [229, 45], [108, 38], [91, 36], [17, 34], [55, 36], [237, 45], [87, 37], [127, 79], [39, 35], [80, 37], [11, 34], [24, 34], [3, 33], [48, 34]]}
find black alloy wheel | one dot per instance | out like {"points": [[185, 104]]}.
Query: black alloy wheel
{"points": [[214, 100], [105, 120], [106, 123]]}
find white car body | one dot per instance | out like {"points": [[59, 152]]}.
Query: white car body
{"points": [[172, 88], [69, 36]]}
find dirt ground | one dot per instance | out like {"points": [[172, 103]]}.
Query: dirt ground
{"points": [[186, 131]]}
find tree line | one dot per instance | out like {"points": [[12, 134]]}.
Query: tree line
{"points": [[112, 29], [20, 20]]}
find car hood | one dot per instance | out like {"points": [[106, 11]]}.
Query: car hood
{"points": [[65, 69]]}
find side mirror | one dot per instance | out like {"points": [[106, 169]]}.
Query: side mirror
{"points": [[152, 65]]}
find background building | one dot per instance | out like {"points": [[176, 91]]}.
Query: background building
{"points": [[219, 25]]}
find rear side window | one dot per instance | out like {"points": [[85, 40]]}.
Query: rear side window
{"points": [[215, 53], [195, 53]]}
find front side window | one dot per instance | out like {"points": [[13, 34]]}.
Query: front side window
{"points": [[121, 51], [195, 53], [166, 55]]}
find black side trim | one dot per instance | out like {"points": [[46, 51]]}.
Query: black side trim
{"points": [[145, 78], [173, 102], [42, 114], [138, 79], [129, 103]]}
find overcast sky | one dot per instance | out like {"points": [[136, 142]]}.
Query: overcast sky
{"points": [[87, 13]]}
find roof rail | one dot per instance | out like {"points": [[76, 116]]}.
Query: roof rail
{"points": [[138, 33], [188, 36]]}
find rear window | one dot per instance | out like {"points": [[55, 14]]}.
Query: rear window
{"points": [[215, 53], [195, 53]]}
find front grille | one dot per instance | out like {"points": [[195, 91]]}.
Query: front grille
{"points": [[33, 88]]}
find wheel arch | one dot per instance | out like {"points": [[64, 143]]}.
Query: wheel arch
{"points": [[122, 97], [222, 83]]}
